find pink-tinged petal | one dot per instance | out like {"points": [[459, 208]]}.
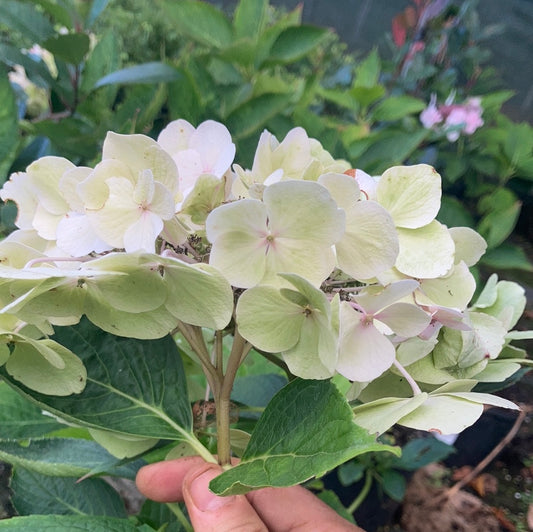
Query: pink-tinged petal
{"points": [[404, 319], [175, 136], [141, 235], [375, 299], [212, 141], [364, 352]]}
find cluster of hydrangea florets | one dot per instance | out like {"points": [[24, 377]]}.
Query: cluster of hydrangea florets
{"points": [[452, 119], [337, 272]]}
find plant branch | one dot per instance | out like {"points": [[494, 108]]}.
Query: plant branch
{"points": [[490, 457]]}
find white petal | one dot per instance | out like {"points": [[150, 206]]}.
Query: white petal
{"points": [[143, 233], [469, 245]]}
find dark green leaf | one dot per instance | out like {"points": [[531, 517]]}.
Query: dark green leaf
{"points": [[39, 494], [367, 95], [8, 124], [135, 387], [253, 115], [71, 47], [97, 7], [154, 72], [249, 18], [19, 418], [60, 13], [421, 452], [160, 517], [507, 256], [518, 143], [66, 523], [351, 472], [294, 43], [393, 484], [25, 19], [306, 430], [199, 21], [64, 457], [497, 225], [184, 100], [396, 107], [453, 213]]}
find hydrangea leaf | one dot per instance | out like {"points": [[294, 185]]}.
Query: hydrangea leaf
{"points": [[453, 290], [421, 261], [198, 294], [470, 246], [380, 415], [29, 364], [306, 429], [411, 194]]}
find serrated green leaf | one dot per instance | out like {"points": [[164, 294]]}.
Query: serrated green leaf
{"points": [[250, 117], [67, 523], [154, 72], [199, 21], [396, 107], [134, 387], [71, 47], [39, 494], [64, 457], [296, 42], [25, 19], [367, 72], [306, 430]]}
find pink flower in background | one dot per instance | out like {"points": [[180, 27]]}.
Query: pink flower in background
{"points": [[457, 119]]}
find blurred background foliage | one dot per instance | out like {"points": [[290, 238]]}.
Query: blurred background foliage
{"points": [[70, 70]]}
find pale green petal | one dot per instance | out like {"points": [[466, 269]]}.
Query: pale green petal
{"points": [[470, 246], [404, 319], [207, 194], [443, 414], [268, 320], [19, 189], [426, 252], [29, 364], [247, 215], [140, 152], [94, 191], [498, 371], [486, 399], [343, 189], [240, 257], [489, 294], [122, 445], [411, 194], [198, 294], [370, 243], [509, 305], [304, 210], [364, 352], [414, 349], [45, 174], [4, 353], [381, 414], [315, 354], [454, 290], [46, 223], [68, 185], [303, 258], [314, 297]]}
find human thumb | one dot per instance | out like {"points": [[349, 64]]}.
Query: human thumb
{"points": [[210, 513]]}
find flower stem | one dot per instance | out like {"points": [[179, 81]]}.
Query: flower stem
{"points": [[414, 386], [362, 494]]}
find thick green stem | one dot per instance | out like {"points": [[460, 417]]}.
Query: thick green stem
{"points": [[239, 350]]}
